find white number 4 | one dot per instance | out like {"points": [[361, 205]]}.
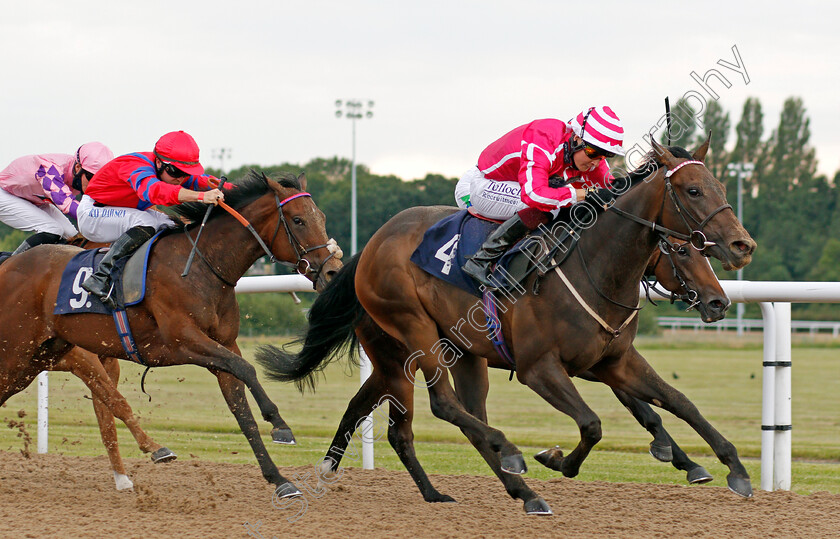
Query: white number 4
{"points": [[446, 253]]}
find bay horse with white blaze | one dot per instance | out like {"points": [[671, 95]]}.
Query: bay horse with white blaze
{"points": [[192, 320], [551, 335]]}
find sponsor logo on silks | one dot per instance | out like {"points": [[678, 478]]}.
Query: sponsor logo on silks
{"points": [[106, 212], [504, 188], [466, 200]]}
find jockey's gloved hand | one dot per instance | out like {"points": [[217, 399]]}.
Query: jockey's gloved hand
{"points": [[602, 197]]}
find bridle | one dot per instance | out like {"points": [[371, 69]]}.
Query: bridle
{"points": [[697, 238], [302, 265], [690, 296]]}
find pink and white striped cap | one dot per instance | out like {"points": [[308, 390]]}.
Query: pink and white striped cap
{"points": [[602, 129]]}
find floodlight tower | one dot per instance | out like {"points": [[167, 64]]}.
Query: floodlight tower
{"points": [[742, 171], [353, 109]]}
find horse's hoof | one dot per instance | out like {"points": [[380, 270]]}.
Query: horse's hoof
{"points": [[286, 490], [437, 497], [537, 506], [514, 464], [740, 486], [550, 458], [163, 455], [283, 436], [662, 453], [698, 476], [123, 482]]}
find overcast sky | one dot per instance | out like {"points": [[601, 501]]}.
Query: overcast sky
{"points": [[447, 78]]}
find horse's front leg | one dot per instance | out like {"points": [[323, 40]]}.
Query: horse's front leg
{"points": [[663, 447], [633, 374], [549, 379], [281, 433], [203, 351], [234, 393]]}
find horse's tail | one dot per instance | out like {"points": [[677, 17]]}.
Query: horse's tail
{"points": [[332, 320]]}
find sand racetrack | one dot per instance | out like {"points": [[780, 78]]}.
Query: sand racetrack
{"points": [[60, 496]]}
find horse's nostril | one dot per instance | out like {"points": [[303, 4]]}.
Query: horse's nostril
{"points": [[744, 247], [719, 305]]}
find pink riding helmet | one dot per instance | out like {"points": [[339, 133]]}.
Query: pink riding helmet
{"points": [[600, 127], [93, 155]]}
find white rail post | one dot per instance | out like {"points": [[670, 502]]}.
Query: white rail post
{"points": [[43, 412], [783, 421], [768, 384], [365, 369]]}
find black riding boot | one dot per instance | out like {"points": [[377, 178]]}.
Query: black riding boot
{"points": [[99, 284], [39, 238], [496, 244]]}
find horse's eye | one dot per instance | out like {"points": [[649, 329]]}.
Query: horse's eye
{"points": [[682, 251], [695, 192], [297, 220]]}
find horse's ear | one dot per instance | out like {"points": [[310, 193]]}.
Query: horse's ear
{"points": [[663, 154], [700, 153], [264, 177], [302, 181]]}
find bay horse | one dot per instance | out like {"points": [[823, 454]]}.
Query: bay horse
{"points": [[427, 319], [191, 320], [688, 276]]}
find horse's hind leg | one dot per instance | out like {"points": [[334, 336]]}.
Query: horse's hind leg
{"points": [[472, 385], [101, 378], [663, 447], [429, 355], [550, 381], [401, 438], [635, 376]]}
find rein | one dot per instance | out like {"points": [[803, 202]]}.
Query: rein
{"points": [[300, 251], [609, 329], [696, 237]]}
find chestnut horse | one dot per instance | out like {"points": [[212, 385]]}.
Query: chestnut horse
{"points": [[192, 320], [102, 377], [426, 318]]}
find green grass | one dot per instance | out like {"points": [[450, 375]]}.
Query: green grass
{"points": [[720, 374]]}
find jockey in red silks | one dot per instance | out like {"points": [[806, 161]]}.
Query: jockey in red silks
{"points": [[38, 192], [118, 204], [511, 180]]}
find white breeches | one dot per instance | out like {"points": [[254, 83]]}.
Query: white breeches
{"points": [[24, 215], [107, 223], [490, 198]]}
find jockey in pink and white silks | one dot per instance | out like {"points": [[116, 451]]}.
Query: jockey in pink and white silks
{"points": [[532, 172], [38, 192]]}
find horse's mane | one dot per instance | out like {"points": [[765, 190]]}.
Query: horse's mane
{"points": [[650, 163], [246, 190]]}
